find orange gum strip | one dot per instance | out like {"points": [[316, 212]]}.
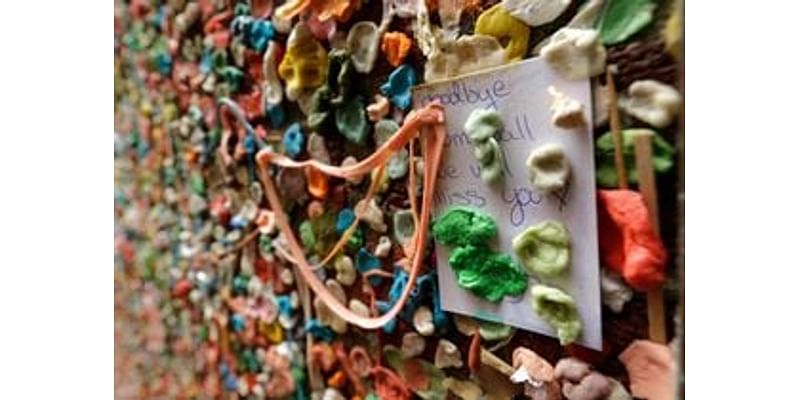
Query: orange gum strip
{"points": [[433, 145]]}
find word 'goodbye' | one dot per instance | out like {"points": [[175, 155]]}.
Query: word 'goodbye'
{"points": [[458, 93]]}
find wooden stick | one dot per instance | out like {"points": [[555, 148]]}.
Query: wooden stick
{"points": [[647, 186], [616, 130], [488, 358]]}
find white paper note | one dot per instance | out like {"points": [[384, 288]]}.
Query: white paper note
{"points": [[519, 93]]}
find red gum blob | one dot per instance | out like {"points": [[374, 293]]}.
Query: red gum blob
{"points": [[628, 243]]}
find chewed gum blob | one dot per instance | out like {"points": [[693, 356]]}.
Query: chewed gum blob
{"points": [[305, 64], [558, 309], [398, 86], [548, 168], [544, 249], [481, 127], [497, 22]]}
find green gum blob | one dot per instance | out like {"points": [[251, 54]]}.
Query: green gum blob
{"points": [[307, 234], [606, 172], [481, 127], [558, 309], [493, 331], [490, 158], [487, 273], [544, 249], [483, 271], [403, 226], [461, 226], [351, 120]]}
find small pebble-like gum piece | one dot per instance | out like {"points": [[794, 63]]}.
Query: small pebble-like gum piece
{"points": [[383, 130], [423, 321], [651, 368], [537, 367], [317, 150], [652, 101], [348, 161], [398, 86], [372, 215], [362, 44], [497, 22], [469, 53], [365, 261], [566, 112], [357, 306], [398, 163], [317, 182], [447, 355], [403, 226], [327, 317], [395, 45], [460, 226], [379, 109], [272, 91], [544, 249], [412, 344], [305, 64], [383, 247], [548, 168], [575, 53], [535, 12], [351, 120], [615, 292], [294, 140], [558, 309]]}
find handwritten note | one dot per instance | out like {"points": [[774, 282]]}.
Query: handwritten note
{"points": [[519, 93]]}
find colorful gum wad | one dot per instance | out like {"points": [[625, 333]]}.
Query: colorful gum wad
{"points": [[294, 140], [558, 309], [317, 182], [629, 245], [398, 163], [544, 249], [254, 33], [305, 64], [398, 86], [497, 22], [395, 45], [362, 45], [351, 120]]}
